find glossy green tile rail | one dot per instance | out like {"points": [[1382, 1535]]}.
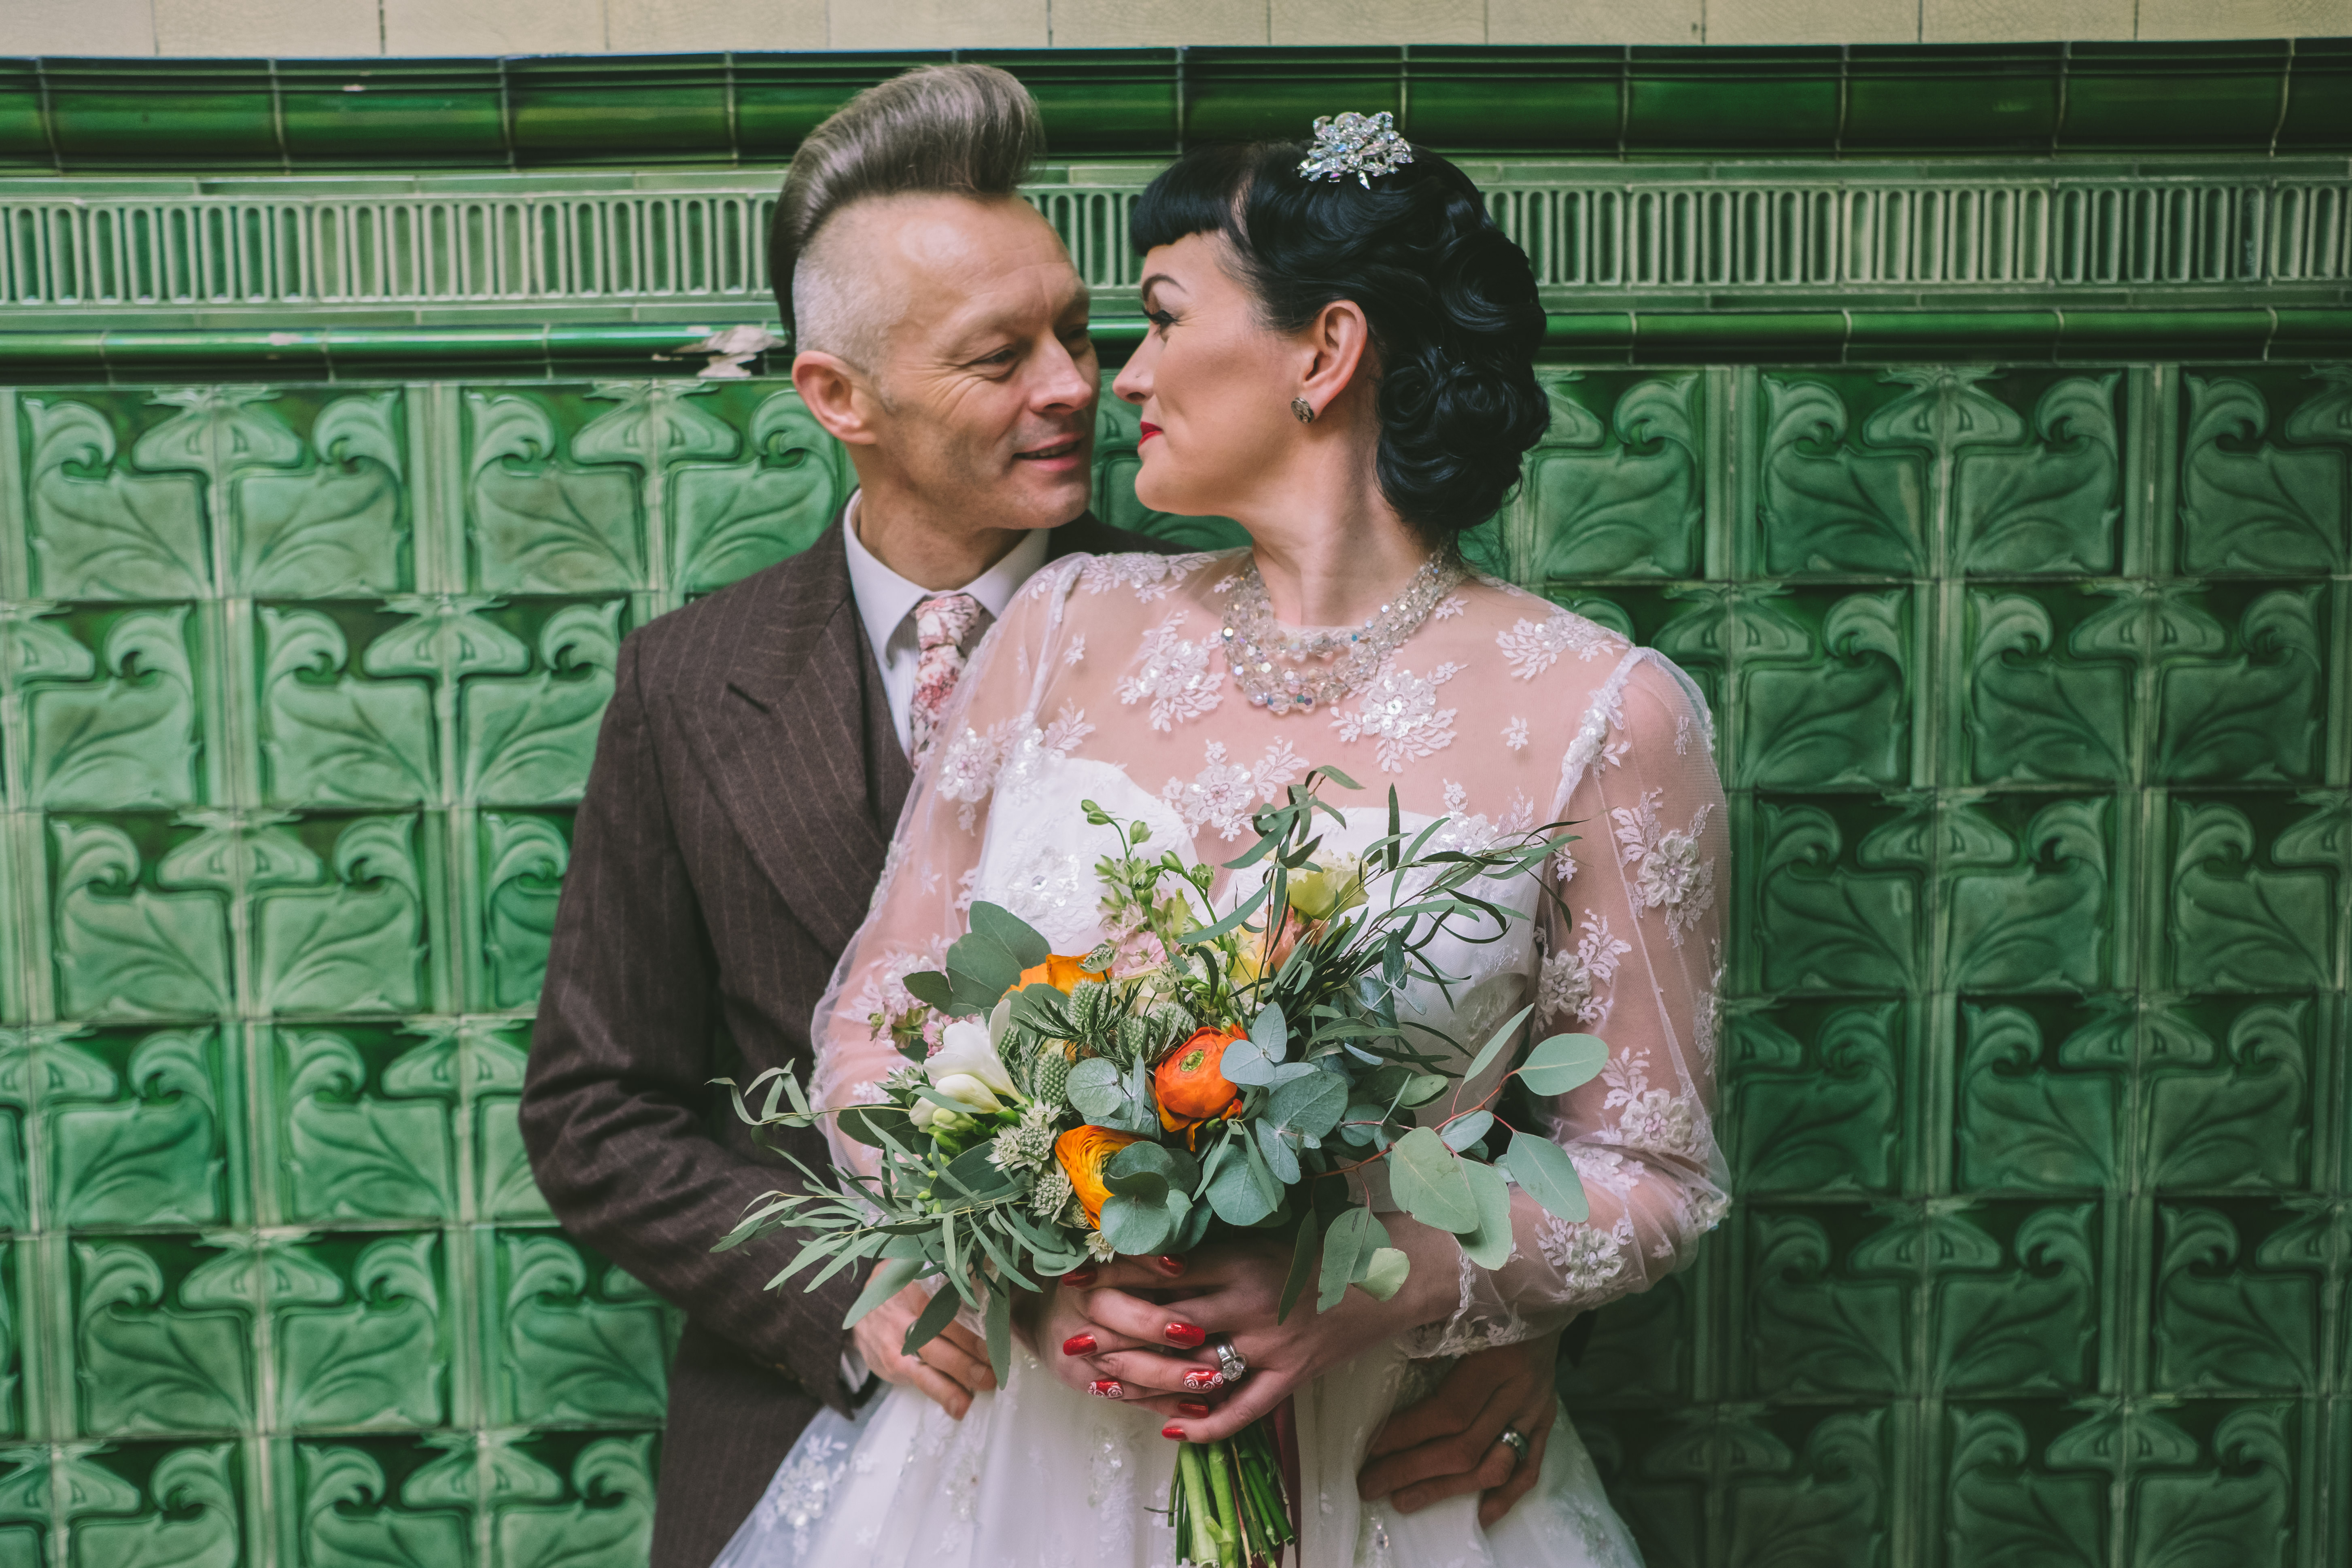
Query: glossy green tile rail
{"points": [[2035, 717], [600, 247], [2258, 97]]}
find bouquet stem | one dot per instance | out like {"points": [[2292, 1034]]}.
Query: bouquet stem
{"points": [[1228, 1502]]}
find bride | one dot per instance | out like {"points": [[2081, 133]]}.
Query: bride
{"points": [[1340, 357]]}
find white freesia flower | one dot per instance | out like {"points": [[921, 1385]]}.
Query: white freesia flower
{"points": [[965, 1069]]}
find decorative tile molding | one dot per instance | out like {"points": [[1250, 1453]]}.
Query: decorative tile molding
{"points": [[2279, 96], [542, 247]]}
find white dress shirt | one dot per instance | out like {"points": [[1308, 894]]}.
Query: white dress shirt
{"points": [[886, 603]]}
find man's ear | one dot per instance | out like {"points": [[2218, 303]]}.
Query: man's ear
{"points": [[836, 396], [1338, 341]]}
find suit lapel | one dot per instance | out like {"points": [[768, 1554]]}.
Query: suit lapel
{"points": [[787, 748]]}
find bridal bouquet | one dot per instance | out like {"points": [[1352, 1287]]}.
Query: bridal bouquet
{"points": [[1191, 1075]]}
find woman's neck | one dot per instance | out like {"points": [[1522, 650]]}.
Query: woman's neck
{"points": [[1331, 549]]}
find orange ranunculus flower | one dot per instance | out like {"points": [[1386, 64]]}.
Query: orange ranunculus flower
{"points": [[1084, 1152], [1190, 1088], [1061, 971]]}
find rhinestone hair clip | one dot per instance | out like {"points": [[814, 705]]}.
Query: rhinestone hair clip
{"points": [[1358, 145]]}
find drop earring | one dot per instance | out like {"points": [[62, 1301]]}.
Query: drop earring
{"points": [[1303, 410]]}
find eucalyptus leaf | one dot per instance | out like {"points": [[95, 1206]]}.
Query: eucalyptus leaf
{"points": [[932, 988], [1303, 1247], [1312, 1104], [1425, 1177], [998, 1319], [1559, 1063], [1348, 1241], [1548, 1175], [1465, 1130], [1271, 1032], [1280, 1157], [1245, 1063], [1233, 1191], [1019, 939], [1096, 1092], [928, 1324], [1494, 1047], [1420, 1089], [1384, 1273], [1489, 1245], [1136, 1227]]}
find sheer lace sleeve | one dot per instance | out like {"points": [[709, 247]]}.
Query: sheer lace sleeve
{"points": [[1636, 960], [919, 904]]}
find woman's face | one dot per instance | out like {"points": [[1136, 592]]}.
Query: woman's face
{"points": [[1213, 385]]}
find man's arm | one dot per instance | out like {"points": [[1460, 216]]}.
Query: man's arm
{"points": [[614, 1102]]}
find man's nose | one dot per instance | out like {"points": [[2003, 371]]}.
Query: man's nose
{"points": [[1062, 382]]}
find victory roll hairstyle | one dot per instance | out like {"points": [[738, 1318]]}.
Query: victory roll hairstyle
{"points": [[959, 130], [1455, 320]]}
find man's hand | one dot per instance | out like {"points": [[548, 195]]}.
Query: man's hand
{"points": [[1452, 1442], [951, 1368]]}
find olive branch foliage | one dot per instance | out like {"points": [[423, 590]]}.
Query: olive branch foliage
{"points": [[1335, 1066]]}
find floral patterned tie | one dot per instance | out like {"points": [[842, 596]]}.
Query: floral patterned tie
{"points": [[945, 626]]}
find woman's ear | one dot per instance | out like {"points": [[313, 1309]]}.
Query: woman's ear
{"points": [[1339, 341], [835, 395]]}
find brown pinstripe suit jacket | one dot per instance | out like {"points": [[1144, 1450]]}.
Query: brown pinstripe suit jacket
{"points": [[746, 783]]}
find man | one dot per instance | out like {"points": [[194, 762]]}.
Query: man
{"points": [[756, 753]]}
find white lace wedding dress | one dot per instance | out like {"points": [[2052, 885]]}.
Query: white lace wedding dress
{"points": [[1502, 713]]}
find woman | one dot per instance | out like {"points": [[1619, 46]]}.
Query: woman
{"points": [[1340, 358]]}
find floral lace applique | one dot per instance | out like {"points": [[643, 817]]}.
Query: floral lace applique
{"points": [[1682, 734], [1669, 874], [1575, 982], [803, 1489], [1607, 714], [969, 766], [884, 996], [1175, 675], [1654, 1119], [1221, 794], [1074, 652], [1706, 1022], [1399, 710], [1068, 728], [1533, 647], [1588, 1259], [1474, 831], [1448, 607], [1515, 734], [1606, 1170], [1151, 576]]}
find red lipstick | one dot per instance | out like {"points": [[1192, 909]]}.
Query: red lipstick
{"points": [[1150, 430]]}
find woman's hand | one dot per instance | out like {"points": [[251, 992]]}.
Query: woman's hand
{"points": [[1452, 1442], [1165, 1372], [950, 1367], [1234, 1289]]}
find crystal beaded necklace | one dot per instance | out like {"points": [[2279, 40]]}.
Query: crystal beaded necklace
{"points": [[1268, 662]]}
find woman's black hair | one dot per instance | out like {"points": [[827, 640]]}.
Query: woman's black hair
{"points": [[1452, 304]]}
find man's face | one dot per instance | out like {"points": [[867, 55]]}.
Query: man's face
{"points": [[987, 391]]}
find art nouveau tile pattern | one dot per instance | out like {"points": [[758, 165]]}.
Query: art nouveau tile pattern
{"points": [[2035, 720]]}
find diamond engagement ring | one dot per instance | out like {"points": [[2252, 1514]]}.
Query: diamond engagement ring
{"points": [[1235, 1366], [1518, 1440]]}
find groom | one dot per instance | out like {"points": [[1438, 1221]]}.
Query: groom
{"points": [[755, 758]]}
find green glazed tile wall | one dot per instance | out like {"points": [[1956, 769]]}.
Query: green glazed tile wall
{"points": [[2038, 733]]}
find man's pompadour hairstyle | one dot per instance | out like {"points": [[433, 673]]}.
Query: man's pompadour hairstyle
{"points": [[959, 130]]}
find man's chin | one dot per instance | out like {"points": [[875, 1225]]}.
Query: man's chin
{"points": [[1052, 498]]}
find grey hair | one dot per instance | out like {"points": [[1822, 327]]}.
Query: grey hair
{"points": [[959, 130]]}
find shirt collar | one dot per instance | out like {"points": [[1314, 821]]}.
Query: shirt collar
{"points": [[885, 599]]}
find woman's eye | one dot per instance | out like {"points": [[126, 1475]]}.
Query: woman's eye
{"points": [[1159, 319]]}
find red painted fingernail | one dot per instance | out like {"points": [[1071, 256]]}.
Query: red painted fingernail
{"points": [[1108, 1388], [1078, 1344], [1193, 1407], [1203, 1380], [1078, 1278], [1172, 1430], [1185, 1334], [1169, 1263]]}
